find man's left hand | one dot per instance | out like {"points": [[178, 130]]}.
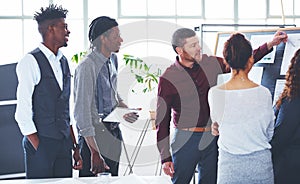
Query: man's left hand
{"points": [[77, 159]]}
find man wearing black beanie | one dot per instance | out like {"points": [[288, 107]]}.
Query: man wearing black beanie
{"points": [[95, 95]]}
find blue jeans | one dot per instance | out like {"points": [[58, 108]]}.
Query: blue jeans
{"points": [[191, 150]]}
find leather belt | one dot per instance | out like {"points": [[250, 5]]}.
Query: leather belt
{"points": [[197, 129]]}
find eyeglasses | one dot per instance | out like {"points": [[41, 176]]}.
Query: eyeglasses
{"points": [[64, 26]]}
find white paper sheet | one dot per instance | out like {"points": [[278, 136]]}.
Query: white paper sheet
{"points": [[220, 46], [117, 114], [291, 46], [256, 41], [278, 89]]}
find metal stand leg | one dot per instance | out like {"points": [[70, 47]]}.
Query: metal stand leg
{"points": [[137, 148], [158, 166], [127, 157]]}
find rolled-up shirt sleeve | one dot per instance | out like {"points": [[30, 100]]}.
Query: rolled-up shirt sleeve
{"points": [[84, 93]]}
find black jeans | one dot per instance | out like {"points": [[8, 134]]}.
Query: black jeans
{"points": [[52, 159], [109, 144]]}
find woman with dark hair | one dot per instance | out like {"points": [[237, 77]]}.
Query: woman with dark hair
{"points": [[286, 140], [244, 132]]}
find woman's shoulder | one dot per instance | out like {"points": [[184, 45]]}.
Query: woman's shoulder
{"points": [[263, 89], [220, 87], [216, 90]]}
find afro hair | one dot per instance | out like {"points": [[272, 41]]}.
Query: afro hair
{"points": [[49, 13]]}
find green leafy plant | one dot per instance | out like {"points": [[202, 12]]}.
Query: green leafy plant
{"points": [[143, 72], [78, 56]]}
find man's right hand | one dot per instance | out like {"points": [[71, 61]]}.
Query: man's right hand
{"points": [[215, 129], [279, 36], [34, 140], [98, 164], [168, 168]]}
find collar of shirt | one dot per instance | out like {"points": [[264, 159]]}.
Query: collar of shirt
{"points": [[49, 54], [54, 61], [181, 67], [101, 56]]}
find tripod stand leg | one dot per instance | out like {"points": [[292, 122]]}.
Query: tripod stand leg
{"points": [[128, 160], [136, 149]]}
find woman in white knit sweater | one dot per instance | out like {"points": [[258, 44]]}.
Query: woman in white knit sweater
{"points": [[243, 110]]}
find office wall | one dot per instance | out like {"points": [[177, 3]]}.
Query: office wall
{"points": [[11, 154]]}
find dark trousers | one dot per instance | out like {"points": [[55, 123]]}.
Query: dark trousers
{"points": [[191, 150], [109, 143], [52, 159], [287, 166]]}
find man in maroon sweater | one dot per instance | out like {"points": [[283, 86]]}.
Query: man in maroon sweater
{"points": [[182, 91]]}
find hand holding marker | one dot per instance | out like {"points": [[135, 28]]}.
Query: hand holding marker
{"points": [[287, 40]]}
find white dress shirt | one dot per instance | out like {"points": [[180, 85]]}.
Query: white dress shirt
{"points": [[29, 75]]}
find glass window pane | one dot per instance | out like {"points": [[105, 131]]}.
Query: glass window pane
{"points": [[32, 37], [275, 7], [133, 8], [246, 9], [11, 8], [161, 8], [31, 6], [94, 10], [297, 22], [11, 35], [75, 10], [76, 39], [189, 23], [189, 7], [288, 7], [219, 9], [297, 10], [252, 21], [274, 21]]}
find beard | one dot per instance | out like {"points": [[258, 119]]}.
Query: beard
{"points": [[187, 57]]}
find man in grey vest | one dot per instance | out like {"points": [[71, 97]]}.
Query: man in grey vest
{"points": [[95, 95], [43, 95]]}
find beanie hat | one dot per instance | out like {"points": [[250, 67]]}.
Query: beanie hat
{"points": [[100, 25]]}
